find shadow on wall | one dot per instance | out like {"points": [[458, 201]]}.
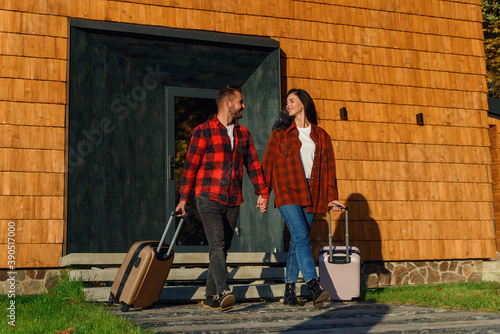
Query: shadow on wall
{"points": [[364, 233]]}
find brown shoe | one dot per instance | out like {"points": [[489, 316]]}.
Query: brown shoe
{"points": [[319, 295], [226, 300], [211, 302]]}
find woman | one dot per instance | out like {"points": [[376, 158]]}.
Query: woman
{"points": [[299, 165]]}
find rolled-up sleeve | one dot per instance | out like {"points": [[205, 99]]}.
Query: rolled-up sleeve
{"points": [[254, 169]]}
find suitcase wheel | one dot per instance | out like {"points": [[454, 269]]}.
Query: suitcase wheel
{"points": [[125, 307]]}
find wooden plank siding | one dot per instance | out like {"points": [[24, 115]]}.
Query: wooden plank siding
{"points": [[415, 192], [495, 171]]}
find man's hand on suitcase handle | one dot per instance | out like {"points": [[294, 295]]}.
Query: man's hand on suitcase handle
{"points": [[180, 209], [336, 206]]}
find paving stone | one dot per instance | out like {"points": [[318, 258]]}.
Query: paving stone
{"points": [[335, 317]]}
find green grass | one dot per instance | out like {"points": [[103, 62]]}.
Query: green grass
{"points": [[481, 296], [63, 309]]}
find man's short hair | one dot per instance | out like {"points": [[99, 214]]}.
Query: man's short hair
{"points": [[225, 92]]}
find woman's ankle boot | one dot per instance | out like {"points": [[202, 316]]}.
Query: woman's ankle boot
{"points": [[290, 297], [319, 295]]}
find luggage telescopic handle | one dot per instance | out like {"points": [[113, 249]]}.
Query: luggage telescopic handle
{"points": [[164, 236], [347, 254]]}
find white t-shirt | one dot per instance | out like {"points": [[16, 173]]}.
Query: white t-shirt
{"points": [[307, 150], [230, 133]]}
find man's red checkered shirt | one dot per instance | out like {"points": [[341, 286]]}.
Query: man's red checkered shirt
{"points": [[215, 169], [285, 174]]}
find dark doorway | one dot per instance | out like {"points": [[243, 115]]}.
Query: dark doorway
{"points": [[185, 108], [120, 128]]}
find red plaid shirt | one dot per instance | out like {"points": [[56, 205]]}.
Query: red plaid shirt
{"points": [[216, 169], [285, 174]]}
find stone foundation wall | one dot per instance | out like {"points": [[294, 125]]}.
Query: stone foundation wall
{"points": [[29, 281], [384, 274]]}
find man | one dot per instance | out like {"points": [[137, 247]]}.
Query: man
{"points": [[214, 166]]}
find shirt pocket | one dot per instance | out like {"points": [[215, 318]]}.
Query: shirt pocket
{"points": [[242, 144], [285, 149], [322, 154]]}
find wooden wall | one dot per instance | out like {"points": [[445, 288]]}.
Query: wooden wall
{"points": [[415, 192], [495, 171]]}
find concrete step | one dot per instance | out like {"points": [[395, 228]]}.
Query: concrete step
{"points": [[181, 259], [187, 275], [252, 275], [195, 293]]}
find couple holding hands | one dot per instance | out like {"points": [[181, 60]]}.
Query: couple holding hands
{"points": [[299, 165]]}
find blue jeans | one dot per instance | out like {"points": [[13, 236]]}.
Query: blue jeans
{"points": [[299, 222], [219, 221]]}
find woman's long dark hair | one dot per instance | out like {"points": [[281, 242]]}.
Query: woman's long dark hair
{"points": [[310, 110]]}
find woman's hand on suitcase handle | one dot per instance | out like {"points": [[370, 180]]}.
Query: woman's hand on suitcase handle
{"points": [[180, 209], [336, 206]]}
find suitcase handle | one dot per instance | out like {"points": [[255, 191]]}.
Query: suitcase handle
{"points": [[347, 253], [164, 236]]}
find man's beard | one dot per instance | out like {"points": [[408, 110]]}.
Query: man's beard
{"points": [[236, 114]]}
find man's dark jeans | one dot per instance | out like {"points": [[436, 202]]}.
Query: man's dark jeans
{"points": [[219, 221]]}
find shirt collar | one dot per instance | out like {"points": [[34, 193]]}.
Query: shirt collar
{"points": [[314, 128], [218, 122], [291, 127]]}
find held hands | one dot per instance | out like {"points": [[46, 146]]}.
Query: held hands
{"points": [[262, 203], [336, 206]]}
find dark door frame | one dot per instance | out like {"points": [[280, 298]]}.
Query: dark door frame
{"points": [[170, 94], [258, 43]]}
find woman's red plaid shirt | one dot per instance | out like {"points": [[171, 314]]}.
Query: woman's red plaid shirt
{"points": [[285, 175]]}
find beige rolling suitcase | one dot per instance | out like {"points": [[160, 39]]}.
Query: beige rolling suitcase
{"points": [[142, 274]]}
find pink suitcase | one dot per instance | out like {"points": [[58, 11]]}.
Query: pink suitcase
{"points": [[339, 269]]}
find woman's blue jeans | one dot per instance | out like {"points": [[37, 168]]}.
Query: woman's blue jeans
{"points": [[299, 222]]}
